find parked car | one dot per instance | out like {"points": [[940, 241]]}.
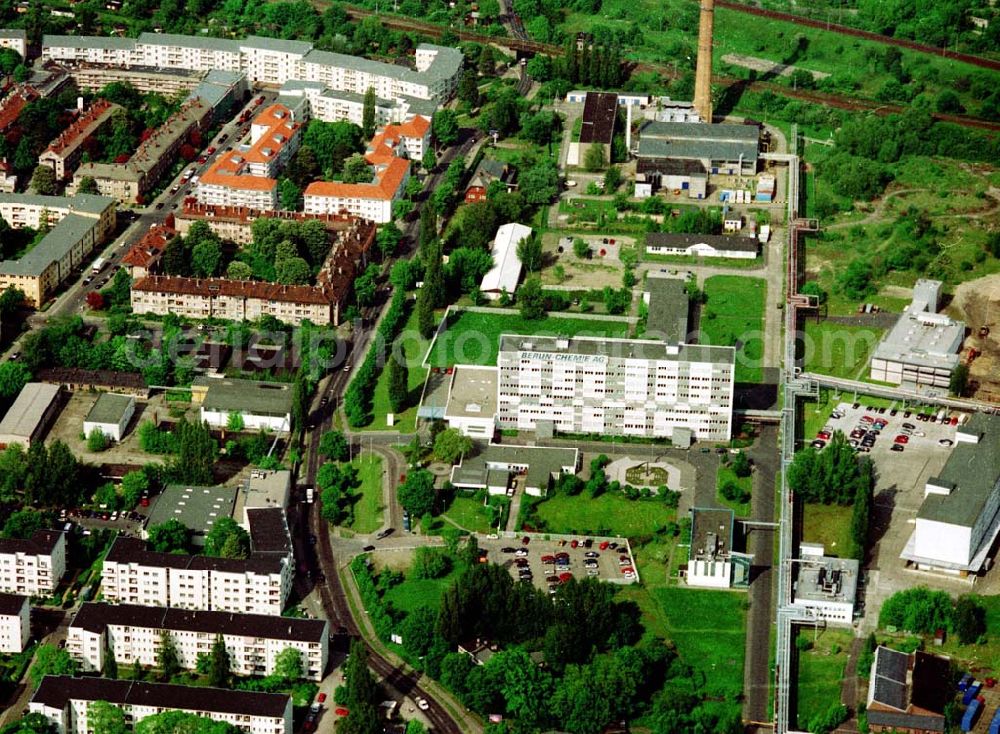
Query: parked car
{"points": [[945, 442], [521, 552], [896, 447], [901, 439], [592, 554], [910, 426], [817, 444], [507, 549]]}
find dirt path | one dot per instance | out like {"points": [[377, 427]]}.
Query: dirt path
{"points": [[878, 215]]}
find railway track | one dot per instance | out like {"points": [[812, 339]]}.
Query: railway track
{"points": [[846, 30], [833, 100]]}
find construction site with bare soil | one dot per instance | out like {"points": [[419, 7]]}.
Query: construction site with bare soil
{"points": [[977, 302]]}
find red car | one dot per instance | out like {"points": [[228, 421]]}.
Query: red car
{"points": [[901, 439], [603, 545], [823, 435], [548, 559], [564, 577], [525, 540], [211, 149], [340, 711], [573, 544], [321, 698]]}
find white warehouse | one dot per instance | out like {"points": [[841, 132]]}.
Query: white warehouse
{"points": [[110, 415], [266, 405], [959, 518]]}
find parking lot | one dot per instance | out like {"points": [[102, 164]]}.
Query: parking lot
{"points": [[899, 492], [607, 559]]}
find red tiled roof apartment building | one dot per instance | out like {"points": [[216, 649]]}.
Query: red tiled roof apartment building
{"points": [[385, 152], [238, 300], [65, 152], [247, 176], [143, 258]]}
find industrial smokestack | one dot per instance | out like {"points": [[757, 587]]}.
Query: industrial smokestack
{"points": [[703, 72]]}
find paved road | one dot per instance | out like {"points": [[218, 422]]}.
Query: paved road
{"points": [[760, 543]]}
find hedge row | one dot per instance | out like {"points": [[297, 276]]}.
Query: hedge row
{"points": [[358, 398]]}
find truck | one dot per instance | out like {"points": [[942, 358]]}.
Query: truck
{"points": [[971, 692], [995, 724], [965, 682], [309, 495], [98, 265], [971, 713]]}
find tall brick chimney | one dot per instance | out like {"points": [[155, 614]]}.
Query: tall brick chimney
{"points": [[703, 72]]}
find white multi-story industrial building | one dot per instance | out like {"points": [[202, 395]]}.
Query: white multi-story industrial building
{"points": [[267, 61], [922, 349], [959, 519], [35, 566], [65, 702], [15, 623], [615, 386], [253, 641], [134, 575]]}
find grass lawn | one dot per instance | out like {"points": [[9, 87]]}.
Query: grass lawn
{"points": [[414, 347], [609, 514], [726, 475], [829, 525], [709, 629], [733, 315], [588, 210], [838, 349], [469, 513], [817, 413], [820, 672], [368, 508], [412, 594], [472, 337], [722, 262]]}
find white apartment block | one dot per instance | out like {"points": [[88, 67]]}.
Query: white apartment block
{"points": [[256, 585], [615, 387], [267, 61], [314, 100], [65, 701], [15, 623], [366, 200], [253, 641], [16, 39], [35, 566]]}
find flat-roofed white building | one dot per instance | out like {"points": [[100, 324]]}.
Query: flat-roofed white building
{"points": [[15, 623], [260, 404], [615, 387], [698, 245], [959, 519], [28, 418], [134, 575], [65, 702], [825, 588], [110, 415], [712, 561], [272, 60], [200, 53], [32, 567], [505, 274], [253, 641], [923, 347]]}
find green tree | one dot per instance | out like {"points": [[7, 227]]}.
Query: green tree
{"points": [[171, 536], [425, 313], [110, 664], [959, 380], [181, 722], [288, 664], [333, 445], [227, 539], [398, 380], [612, 179], [531, 299], [97, 441], [196, 454], [13, 377], [529, 252], [24, 523], [445, 127], [450, 445], [429, 159], [487, 62], [87, 185], [969, 619], [861, 518], [357, 170], [293, 271], [43, 180], [12, 298], [468, 88], [581, 249], [134, 485], [434, 274], [368, 114], [917, 609], [388, 238], [106, 717], [290, 194], [235, 422], [540, 183], [416, 493], [595, 158], [50, 660], [167, 657], [220, 667]]}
